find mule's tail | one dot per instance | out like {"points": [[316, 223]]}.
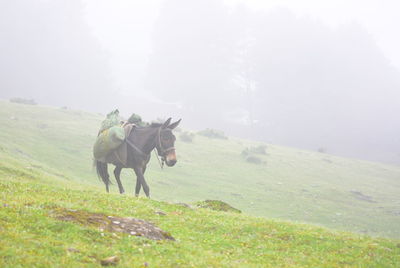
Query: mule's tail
{"points": [[102, 173]]}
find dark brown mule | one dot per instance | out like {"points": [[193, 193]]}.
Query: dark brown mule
{"points": [[135, 153]]}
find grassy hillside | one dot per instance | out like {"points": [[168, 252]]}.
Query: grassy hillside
{"points": [[292, 184], [33, 236]]}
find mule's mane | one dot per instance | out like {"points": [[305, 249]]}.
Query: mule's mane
{"points": [[152, 125], [156, 124]]}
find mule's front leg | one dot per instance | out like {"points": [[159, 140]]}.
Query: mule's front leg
{"points": [[141, 182], [138, 186], [146, 188]]}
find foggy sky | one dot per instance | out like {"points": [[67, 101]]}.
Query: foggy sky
{"points": [[111, 21], [308, 74]]}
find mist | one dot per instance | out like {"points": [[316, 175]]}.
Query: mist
{"points": [[271, 73]]}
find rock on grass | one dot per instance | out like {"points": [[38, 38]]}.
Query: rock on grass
{"points": [[131, 226], [110, 261]]}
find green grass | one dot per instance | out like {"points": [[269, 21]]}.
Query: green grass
{"points": [[293, 184], [31, 237]]}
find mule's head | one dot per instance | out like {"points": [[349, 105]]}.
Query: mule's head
{"points": [[166, 142]]}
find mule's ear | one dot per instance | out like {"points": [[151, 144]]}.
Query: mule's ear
{"points": [[174, 125], [166, 123]]}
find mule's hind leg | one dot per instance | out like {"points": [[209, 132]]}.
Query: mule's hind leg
{"points": [[117, 173], [102, 172], [106, 177]]}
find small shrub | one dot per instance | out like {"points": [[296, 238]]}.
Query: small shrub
{"points": [[261, 149], [23, 101], [254, 159], [212, 133], [186, 136], [217, 205]]}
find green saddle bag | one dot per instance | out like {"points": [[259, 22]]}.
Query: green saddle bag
{"points": [[107, 141]]}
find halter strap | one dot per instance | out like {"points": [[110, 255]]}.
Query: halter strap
{"points": [[163, 151]]}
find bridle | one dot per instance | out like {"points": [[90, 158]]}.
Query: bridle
{"points": [[161, 151]]}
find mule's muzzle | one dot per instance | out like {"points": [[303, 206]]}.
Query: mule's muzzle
{"points": [[170, 159], [171, 163]]}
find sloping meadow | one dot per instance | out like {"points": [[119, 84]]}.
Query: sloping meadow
{"points": [[284, 183]]}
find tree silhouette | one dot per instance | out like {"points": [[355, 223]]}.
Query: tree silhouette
{"points": [[48, 53]]}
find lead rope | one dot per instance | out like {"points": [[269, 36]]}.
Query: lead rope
{"points": [[159, 161], [155, 151]]}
